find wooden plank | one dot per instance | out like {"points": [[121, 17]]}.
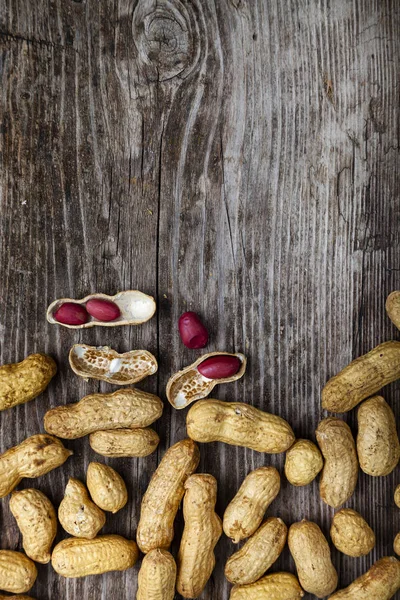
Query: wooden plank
{"points": [[236, 158]]}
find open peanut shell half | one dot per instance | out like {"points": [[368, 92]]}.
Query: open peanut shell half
{"points": [[135, 308], [189, 385], [104, 363]]}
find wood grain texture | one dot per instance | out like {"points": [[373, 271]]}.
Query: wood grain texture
{"points": [[235, 157]]}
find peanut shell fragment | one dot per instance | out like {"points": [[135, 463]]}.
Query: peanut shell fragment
{"points": [[125, 408], [79, 557], [157, 576], [378, 445], [277, 586], [362, 378], [106, 487], [37, 521], [35, 456], [258, 554], [24, 381], [312, 555], [238, 424], [164, 494], [203, 528], [351, 534], [303, 463], [189, 385], [380, 582], [245, 512], [17, 572], [78, 515], [105, 364], [340, 473], [124, 442]]}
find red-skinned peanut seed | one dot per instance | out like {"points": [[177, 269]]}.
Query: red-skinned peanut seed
{"points": [[192, 331], [71, 313], [219, 367], [103, 310]]}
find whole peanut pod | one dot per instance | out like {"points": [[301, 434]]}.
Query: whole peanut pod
{"points": [[79, 557], [203, 528], [381, 582], [127, 407], [311, 553], [378, 445], [238, 424], [362, 378], [17, 572], [393, 308], [303, 463], [258, 554], [78, 515], [351, 534], [164, 494], [277, 586], [24, 381], [37, 521], [124, 442], [106, 487], [245, 512], [35, 456], [340, 472], [157, 576]]}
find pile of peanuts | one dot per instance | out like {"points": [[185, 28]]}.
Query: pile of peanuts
{"points": [[118, 425]]}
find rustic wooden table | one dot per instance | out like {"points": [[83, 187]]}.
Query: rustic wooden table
{"points": [[239, 158]]}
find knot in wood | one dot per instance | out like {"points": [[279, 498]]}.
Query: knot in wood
{"points": [[162, 34]]}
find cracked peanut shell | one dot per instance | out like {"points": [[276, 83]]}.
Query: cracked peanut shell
{"points": [[78, 515], [105, 364], [125, 408], [106, 487], [246, 510], [17, 572], [24, 381], [378, 445], [340, 473], [380, 582], [277, 586], [79, 557], [238, 424], [189, 385], [163, 496], [203, 528], [37, 521], [362, 378], [351, 534], [157, 576]]}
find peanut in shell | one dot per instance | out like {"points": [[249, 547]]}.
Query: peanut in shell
{"points": [[157, 576], [277, 586], [380, 582], [118, 443], [393, 308], [17, 572], [303, 463], [24, 381], [351, 534]]}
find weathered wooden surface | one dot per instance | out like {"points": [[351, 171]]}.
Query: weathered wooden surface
{"points": [[235, 157]]}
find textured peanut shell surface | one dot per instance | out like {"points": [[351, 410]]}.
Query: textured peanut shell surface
{"points": [[393, 308], [127, 407], [203, 528], [124, 442], [312, 555], [79, 557], [244, 513], [78, 515], [258, 554], [277, 586], [106, 364], [396, 544], [24, 381], [397, 496], [303, 463], [35, 456], [351, 534], [381, 582], [106, 487], [362, 378], [135, 307], [37, 521], [157, 576], [17, 572], [189, 385], [164, 494], [340, 473], [378, 445], [238, 424]]}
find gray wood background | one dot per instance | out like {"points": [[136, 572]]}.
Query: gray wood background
{"points": [[235, 157]]}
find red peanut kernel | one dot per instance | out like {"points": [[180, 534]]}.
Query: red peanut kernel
{"points": [[71, 313], [103, 310], [192, 331], [219, 367]]}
